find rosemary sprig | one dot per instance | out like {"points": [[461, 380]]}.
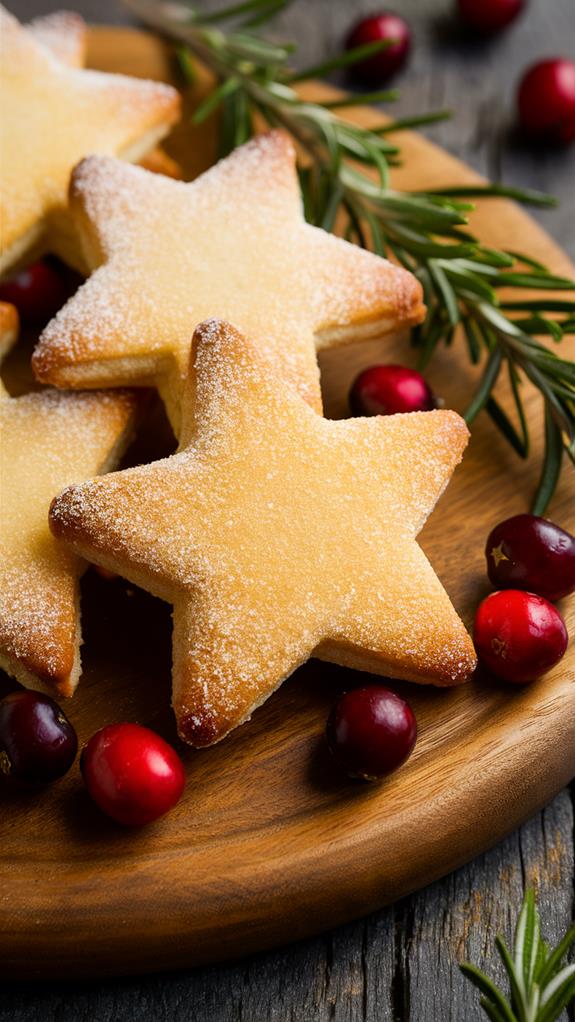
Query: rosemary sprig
{"points": [[541, 985], [424, 231]]}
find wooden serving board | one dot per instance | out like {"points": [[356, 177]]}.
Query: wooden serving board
{"points": [[269, 843]]}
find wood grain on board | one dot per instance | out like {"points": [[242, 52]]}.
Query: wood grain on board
{"points": [[269, 844]]}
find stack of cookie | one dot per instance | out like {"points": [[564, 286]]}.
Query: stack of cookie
{"points": [[275, 533]]}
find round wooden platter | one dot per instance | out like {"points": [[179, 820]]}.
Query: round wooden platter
{"points": [[269, 844]]}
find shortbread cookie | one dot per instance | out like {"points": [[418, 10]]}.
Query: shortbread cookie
{"points": [[234, 243], [48, 439], [52, 116], [278, 535], [64, 34], [8, 330]]}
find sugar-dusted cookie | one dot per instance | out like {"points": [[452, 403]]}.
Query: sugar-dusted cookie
{"points": [[235, 244], [278, 535], [8, 330], [47, 439], [64, 34], [52, 116]]}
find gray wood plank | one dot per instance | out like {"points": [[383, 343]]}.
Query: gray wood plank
{"points": [[457, 919]]}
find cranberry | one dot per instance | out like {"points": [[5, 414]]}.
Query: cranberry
{"points": [[527, 552], [378, 68], [371, 731], [37, 742], [519, 635], [489, 15], [546, 101], [132, 774], [387, 389], [37, 292]]}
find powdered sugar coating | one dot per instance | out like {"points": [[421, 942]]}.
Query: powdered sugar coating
{"points": [[47, 440], [233, 244], [63, 33], [277, 535], [52, 116]]}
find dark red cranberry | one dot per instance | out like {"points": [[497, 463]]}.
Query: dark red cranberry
{"points": [[489, 15], [371, 731], [546, 101], [527, 552], [132, 774], [387, 389], [519, 635], [37, 292], [37, 742], [378, 68]]}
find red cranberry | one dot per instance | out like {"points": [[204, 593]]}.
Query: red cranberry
{"points": [[371, 731], [132, 774], [546, 101], [489, 15], [527, 552], [378, 68], [519, 635], [37, 742], [37, 292], [387, 389]]}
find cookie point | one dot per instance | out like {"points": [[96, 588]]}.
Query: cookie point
{"points": [[281, 140], [457, 422], [213, 333], [198, 729], [60, 514], [464, 668], [40, 362], [208, 327], [84, 167], [414, 309]]}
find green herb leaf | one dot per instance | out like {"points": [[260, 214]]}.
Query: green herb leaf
{"points": [[405, 123], [503, 422], [527, 196], [541, 985], [346, 59], [215, 98], [483, 392], [551, 466], [490, 992], [235, 11], [360, 99], [553, 963]]}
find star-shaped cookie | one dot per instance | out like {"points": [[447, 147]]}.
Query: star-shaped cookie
{"points": [[232, 244], [47, 439], [53, 116], [8, 331], [65, 34], [278, 535]]}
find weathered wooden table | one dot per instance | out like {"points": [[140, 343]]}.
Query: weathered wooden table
{"points": [[400, 965]]}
